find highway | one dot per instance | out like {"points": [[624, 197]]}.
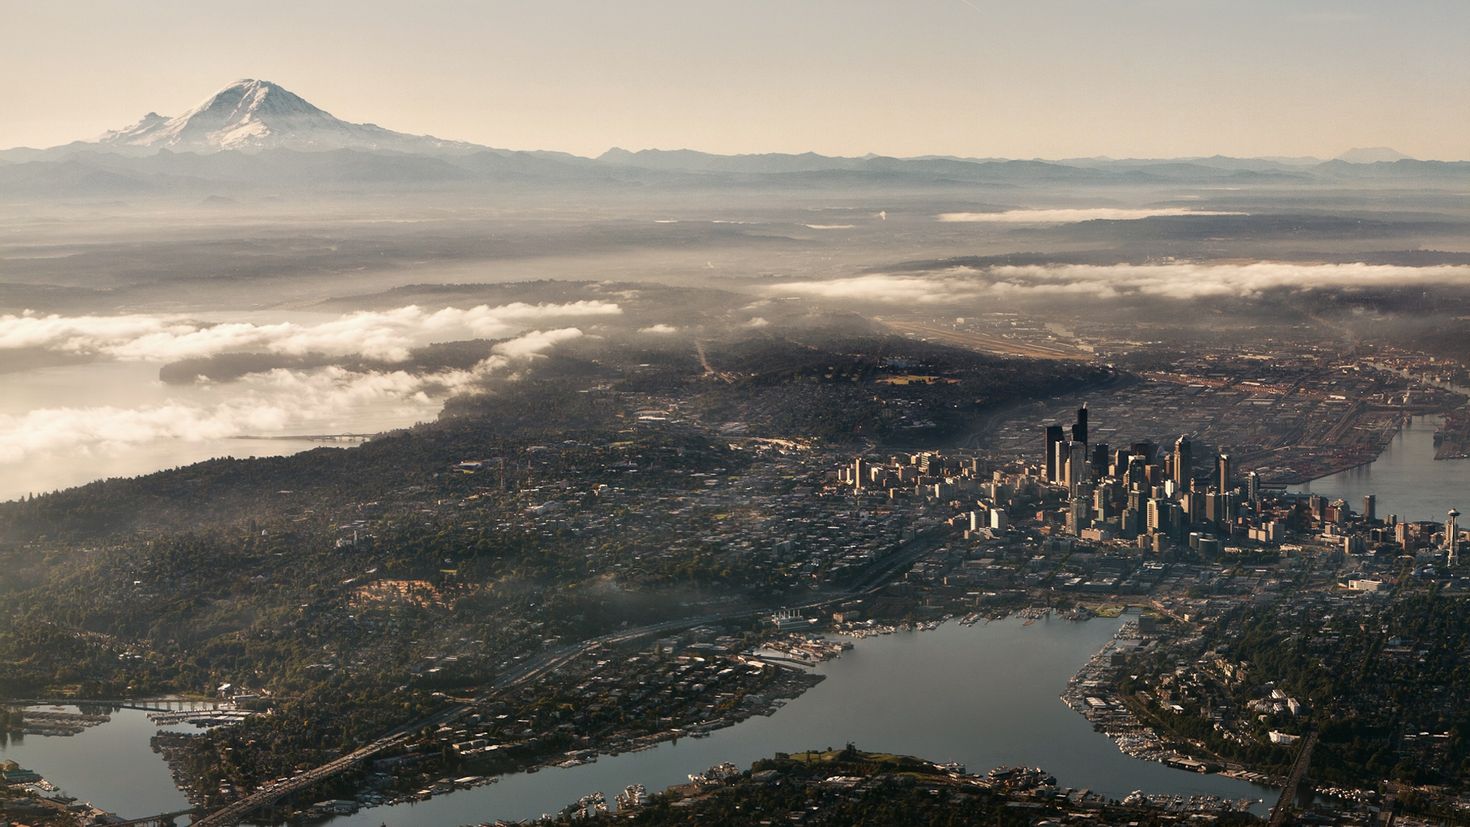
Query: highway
{"points": [[1283, 807]]}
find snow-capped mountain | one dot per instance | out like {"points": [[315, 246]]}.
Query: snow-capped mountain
{"points": [[257, 114], [253, 136]]}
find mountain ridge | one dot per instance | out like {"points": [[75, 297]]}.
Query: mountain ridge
{"points": [[257, 134]]}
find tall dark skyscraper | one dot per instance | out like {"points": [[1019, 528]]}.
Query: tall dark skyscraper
{"points": [[1223, 473], [1183, 463], [1053, 439], [1079, 431], [1147, 450], [1100, 460], [1137, 473]]}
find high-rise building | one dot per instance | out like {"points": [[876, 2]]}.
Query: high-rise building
{"points": [[857, 474], [1063, 453], [1078, 467], [1137, 474], [1370, 508], [1077, 515], [1253, 489], [1452, 537], [1212, 509], [1183, 463], [1131, 522], [1053, 439], [1157, 516], [1223, 482], [1120, 460], [1102, 501], [1100, 460], [1147, 450], [1079, 430]]}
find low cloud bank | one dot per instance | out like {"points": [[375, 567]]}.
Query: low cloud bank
{"points": [[1073, 216], [387, 335], [1172, 281], [273, 402]]}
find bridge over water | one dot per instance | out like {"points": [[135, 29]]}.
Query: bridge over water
{"points": [[176, 705]]}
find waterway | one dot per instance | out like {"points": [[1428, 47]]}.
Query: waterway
{"points": [[985, 696], [1406, 478]]}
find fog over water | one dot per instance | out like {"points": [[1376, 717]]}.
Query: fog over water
{"points": [[68, 425]]}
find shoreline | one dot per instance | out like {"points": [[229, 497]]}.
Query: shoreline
{"points": [[1089, 693], [798, 677]]}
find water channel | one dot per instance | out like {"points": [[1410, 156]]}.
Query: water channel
{"points": [[986, 696], [1406, 478]]}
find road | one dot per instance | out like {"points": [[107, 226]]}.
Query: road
{"points": [[1284, 804]]}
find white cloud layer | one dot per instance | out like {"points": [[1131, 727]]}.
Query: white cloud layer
{"points": [[272, 402], [1174, 281], [1073, 216], [660, 329], [387, 335]]}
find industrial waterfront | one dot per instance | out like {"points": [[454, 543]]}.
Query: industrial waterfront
{"points": [[1406, 478]]}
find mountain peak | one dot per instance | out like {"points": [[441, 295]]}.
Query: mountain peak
{"points": [[252, 114], [1372, 155], [254, 94]]}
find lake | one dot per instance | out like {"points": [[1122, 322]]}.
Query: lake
{"points": [[111, 765], [985, 696], [1405, 477]]}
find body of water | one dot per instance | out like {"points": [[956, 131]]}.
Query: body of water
{"points": [[110, 765], [985, 696], [1406, 478]]}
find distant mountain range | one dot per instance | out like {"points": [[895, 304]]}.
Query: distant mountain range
{"points": [[255, 134]]}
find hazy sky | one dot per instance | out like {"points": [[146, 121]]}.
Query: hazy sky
{"points": [[1021, 78]]}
